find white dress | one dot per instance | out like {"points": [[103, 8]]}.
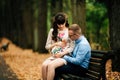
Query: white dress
{"points": [[62, 35]]}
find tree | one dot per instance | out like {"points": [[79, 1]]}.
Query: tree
{"points": [[42, 25], [114, 19], [11, 26], [113, 8], [97, 25], [78, 13], [27, 21], [56, 6]]}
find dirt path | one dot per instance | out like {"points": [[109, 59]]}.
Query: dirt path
{"points": [[25, 63], [5, 72]]}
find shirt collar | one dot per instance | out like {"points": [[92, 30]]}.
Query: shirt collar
{"points": [[78, 40]]}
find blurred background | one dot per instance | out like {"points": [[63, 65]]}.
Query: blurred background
{"points": [[27, 22]]}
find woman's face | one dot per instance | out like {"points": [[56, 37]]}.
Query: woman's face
{"points": [[61, 26]]}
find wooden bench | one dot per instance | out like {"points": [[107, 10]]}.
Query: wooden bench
{"points": [[96, 70]]}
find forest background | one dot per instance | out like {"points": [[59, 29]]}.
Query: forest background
{"points": [[27, 23]]}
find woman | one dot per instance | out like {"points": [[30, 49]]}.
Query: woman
{"points": [[57, 36]]}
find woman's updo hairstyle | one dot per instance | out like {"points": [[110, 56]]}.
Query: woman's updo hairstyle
{"points": [[60, 18]]}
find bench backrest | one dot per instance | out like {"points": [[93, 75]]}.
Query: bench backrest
{"points": [[96, 68]]}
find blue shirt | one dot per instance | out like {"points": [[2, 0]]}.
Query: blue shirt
{"points": [[81, 53]]}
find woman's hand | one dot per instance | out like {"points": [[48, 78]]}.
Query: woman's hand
{"points": [[61, 44], [58, 55]]}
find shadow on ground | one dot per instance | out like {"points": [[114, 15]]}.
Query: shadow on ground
{"points": [[6, 72]]}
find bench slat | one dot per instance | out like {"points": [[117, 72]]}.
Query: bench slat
{"points": [[96, 60], [73, 77], [92, 77], [95, 67], [97, 55], [93, 73]]}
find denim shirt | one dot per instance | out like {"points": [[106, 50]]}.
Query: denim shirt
{"points": [[81, 53]]}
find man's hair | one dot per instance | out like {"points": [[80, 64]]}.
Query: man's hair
{"points": [[75, 28]]}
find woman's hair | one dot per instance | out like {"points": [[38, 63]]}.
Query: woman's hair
{"points": [[60, 18], [75, 28]]}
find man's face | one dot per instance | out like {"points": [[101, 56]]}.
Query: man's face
{"points": [[72, 35]]}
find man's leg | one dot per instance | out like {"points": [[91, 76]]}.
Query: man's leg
{"points": [[70, 68]]}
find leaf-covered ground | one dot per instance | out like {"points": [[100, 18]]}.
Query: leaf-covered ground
{"points": [[26, 64]]}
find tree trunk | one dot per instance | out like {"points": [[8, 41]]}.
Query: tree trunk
{"points": [[78, 13], [56, 6], [27, 16], [11, 26], [42, 25], [18, 35], [114, 19]]}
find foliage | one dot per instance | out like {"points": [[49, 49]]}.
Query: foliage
{"points": [[97, 24], [66, 8], [28, 18]]}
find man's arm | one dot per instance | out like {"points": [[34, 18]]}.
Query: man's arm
{"points": [[79, 55]]}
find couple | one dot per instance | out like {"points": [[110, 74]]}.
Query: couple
{"points": [[74, 50]]}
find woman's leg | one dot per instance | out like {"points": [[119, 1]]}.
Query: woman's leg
{"points": [[45, 68], [52, 66]]}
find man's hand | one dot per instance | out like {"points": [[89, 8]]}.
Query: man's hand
{"points": [[58, 55]]}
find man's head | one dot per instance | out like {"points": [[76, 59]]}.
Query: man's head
{"points": [[75, 31]]}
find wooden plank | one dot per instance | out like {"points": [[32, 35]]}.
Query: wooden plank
{"points": [[97, 55], [94, 73], [92, 77], [96, 60], [99, 51], [95, 67]]}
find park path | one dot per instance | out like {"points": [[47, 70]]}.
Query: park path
{"points": [[6, 72]]}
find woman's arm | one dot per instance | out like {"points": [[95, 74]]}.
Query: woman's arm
{"points": [[70, 46], [50, 43], [68, 49]]}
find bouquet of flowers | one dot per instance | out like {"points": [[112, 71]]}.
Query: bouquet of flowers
{"points": [[56, 49], [61, 46]]}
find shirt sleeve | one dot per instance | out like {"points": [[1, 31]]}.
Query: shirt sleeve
{"points": [[77, 56], [49, 40], [70, 46]]}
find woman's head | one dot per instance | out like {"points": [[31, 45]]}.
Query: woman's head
{"points": [[60, 22], [60, 19]]}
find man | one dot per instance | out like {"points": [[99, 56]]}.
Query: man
{"points": [[78, 62]]}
